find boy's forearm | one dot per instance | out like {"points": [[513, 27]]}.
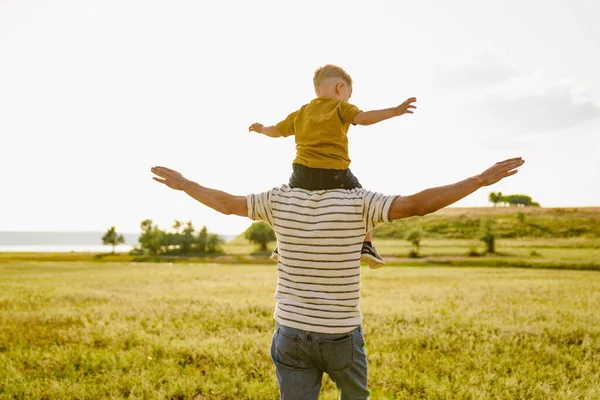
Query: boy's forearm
{"points": [[375, 116], [270, 131]]}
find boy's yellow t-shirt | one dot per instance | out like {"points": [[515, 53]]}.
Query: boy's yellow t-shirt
{"points": [[321, 129]]}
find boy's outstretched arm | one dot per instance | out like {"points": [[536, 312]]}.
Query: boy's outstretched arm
{"points": [[270, 131], [375, 116]]}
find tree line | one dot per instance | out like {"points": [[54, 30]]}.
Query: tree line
{"points": [[185, 240], [512, 200]]}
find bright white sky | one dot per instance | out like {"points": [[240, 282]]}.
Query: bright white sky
{"points": [[94, 93]]}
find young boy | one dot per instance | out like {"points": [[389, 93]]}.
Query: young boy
{"points": [[320, 128]]}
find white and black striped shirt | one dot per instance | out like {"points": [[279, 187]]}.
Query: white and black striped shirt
{"points": [[319, 237]]}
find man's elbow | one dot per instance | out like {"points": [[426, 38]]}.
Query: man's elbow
{"points": [[405, 207], [224, 206], [420, 210], [234, 206], [223, 209]]}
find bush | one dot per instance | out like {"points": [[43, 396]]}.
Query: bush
{"points": [[414, 236], [260, 233], [487, 235], [473, 252]]}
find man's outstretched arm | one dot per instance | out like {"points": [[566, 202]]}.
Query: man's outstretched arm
{"points": [[222, 202], [431, 200]]}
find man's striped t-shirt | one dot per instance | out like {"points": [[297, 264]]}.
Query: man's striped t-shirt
{"points": [[319, 237]]}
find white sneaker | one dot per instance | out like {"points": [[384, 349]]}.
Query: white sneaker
{"points": [[274, 255], [370, 256]]}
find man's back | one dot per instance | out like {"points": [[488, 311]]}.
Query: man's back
{"points": [[320, 235]]}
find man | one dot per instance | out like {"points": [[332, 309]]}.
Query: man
{"points": [[319, 235]]}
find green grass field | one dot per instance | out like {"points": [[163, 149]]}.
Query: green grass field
{"points": [[562, 253], [88, 330], [566, 253]]}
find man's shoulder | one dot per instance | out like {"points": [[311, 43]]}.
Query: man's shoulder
{"points": [[283, 197], [325, 193], [304, 194]]}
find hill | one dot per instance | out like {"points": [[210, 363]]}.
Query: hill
{"points": [[509, 222]]}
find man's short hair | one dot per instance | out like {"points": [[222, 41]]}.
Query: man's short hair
{"points": [[330, 71]]}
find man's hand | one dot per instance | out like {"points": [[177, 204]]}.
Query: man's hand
{"points": [[169, 177], [500, 170], [256, 127], [406, 107]]}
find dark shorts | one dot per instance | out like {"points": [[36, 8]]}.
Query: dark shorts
{"points": [[304, 177]]}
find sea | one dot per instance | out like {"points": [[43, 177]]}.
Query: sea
{"points": [[65, 242]]}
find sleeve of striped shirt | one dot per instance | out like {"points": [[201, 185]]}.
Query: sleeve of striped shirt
{"points": [[259, 207], [376, 207]]}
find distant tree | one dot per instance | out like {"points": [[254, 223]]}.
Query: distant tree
{"points": [[177, 225], [152, 239], [111, 237], [495, 198], [518, 200], [414, 236], [260, 233], [213, 243], [487, 234], [521, 217], [172, 240], [201, 240], [187, 238]]}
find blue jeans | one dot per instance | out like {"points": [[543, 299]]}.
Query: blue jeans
{"points": [[301, 357]]}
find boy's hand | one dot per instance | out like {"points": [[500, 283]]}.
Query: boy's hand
{"points": [[406, 107], [270, 131], [256, 127]]}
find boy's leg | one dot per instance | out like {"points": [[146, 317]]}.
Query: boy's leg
{"points": [[297, 375], [345, 361], [369, 254], [305, 178], [275, 254]]}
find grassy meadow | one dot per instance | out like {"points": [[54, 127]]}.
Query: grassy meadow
{"points": [[452, 323], [111, 330]]}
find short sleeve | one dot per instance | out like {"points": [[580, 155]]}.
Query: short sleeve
{"points": [[259, 207], [348, 112], [376, 208], [286, 127]]}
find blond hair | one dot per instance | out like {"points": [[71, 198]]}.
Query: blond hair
{"points": [[330, 71]]}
